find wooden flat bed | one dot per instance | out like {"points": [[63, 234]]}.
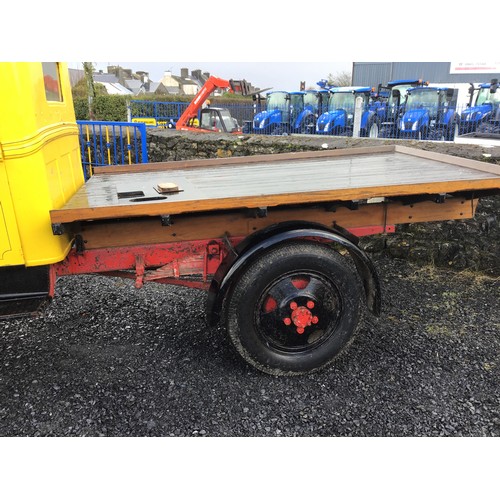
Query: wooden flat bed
{"points": [[274, 180]]}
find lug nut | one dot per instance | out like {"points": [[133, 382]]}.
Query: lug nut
{"points": [[287, 321], [310, 304], [293, 305]]}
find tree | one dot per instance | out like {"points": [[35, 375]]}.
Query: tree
{"points": [[340, 79], [88, 68], [81, 90]]}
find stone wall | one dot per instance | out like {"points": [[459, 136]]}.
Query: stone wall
{"points": [[469, 244]]}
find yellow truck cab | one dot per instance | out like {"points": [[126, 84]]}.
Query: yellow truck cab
{"points": [[40, 169]]}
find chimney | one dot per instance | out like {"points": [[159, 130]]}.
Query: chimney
{"points": [[184, 72], [143, 75], [167, 73]]}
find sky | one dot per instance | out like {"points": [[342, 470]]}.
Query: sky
{"points": [[267, 43], [277, 75]]}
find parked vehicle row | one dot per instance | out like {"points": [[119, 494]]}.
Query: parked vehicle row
{"points": [[403, 109]]}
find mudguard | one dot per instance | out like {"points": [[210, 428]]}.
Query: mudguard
{"points": [[301, 118], [337, 118], [268, 117], [252, 247]]}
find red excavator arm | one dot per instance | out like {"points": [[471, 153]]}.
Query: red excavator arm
{"points": [[191, 111]]}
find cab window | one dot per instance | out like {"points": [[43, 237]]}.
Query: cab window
{"points": [[51, 81]]}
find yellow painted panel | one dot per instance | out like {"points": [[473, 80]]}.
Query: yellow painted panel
{"points": [[10, 245], [147, 121], [41, 155]]}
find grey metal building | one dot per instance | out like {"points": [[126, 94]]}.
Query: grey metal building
{"points": [[372, 73]]}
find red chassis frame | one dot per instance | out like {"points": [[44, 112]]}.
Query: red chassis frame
{"points": [[188, 263]]}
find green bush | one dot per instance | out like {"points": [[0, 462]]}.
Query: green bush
{"points": [[81, 108], [111, 108], [105, 108]]}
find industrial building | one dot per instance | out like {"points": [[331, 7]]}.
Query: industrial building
{"points": [[373, 73]]}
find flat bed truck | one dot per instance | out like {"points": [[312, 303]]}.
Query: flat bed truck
{"points": [[272, 238]]}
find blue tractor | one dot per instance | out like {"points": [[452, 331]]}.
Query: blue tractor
{"points": [[394, 106], [430, 113], [286, 113], [339, 118], [315, 104], [483, 111]]}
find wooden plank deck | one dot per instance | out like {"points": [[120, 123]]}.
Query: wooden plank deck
{"points": [[272, 180]]}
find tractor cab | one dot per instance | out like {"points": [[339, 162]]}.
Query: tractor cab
{"points": [[339, 117], [490, 126], [483, 109], [285, 113], [273, 119], [394, 108], [429, 113], [218, 120]]}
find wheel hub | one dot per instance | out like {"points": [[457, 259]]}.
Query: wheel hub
{"points": [[301, 316]]}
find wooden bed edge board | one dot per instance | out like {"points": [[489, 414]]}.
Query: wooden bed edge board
{"points": [[228, 203], [237, 160], [113, 233], [449, 159]]}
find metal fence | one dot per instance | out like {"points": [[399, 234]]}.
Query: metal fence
{"points": [[165, 114], [111, 143], [157, 113], [433, 118]]}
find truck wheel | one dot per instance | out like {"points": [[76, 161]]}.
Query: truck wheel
{"points": [[294, 308]]}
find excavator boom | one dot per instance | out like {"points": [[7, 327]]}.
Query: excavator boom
{"points": [[192, 110]]}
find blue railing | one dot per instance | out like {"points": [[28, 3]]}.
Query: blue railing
{"points": [[166, 114], [105, 143], [160, 113]]}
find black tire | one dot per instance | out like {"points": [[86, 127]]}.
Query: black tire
{"points": [[294, 308], [308, 126], [422, 134], [279, 129], [452, 131], [373, 130]]}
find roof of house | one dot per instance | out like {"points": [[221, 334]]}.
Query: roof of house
{"points": [[116, 89], [105, 78]]}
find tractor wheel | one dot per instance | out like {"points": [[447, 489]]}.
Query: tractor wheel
{"points": [[308, 126], [422, 134], [452, 131], [279, 130], [373, 130], [294, 308]]}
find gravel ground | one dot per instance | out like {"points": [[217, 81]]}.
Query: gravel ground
{"points": [[109, 360]]}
